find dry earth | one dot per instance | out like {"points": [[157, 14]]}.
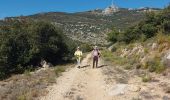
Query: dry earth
{"points": [[107, 82]]}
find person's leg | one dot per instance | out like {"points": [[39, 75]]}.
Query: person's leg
{"points": [[96, 62], [93, 61], [79, 62]]}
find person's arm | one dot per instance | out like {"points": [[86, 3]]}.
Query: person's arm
{"points": [[81, 54], [74, 53], [99, 53]]}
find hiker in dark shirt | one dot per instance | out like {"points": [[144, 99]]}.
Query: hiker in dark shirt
{"points": [[95, 55]]}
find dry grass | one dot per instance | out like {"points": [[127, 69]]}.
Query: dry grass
{"points": [[149, 59], [113, 57], [30, 85]]}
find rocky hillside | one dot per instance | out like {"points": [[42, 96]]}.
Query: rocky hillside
{"points": [[90, 26]]}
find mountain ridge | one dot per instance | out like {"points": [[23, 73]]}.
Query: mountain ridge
{"points": [[89, 26]]}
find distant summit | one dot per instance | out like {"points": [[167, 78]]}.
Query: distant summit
{"points": [[110, 10]]}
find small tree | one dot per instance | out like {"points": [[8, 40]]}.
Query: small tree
{"points": [[132, 34], [149, 30], [113, 36], [25, 44]]}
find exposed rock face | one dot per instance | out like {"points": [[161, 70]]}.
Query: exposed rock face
{"points": [[138, 50]]}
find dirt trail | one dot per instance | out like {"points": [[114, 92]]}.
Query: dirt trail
{"points": [[105, 83], [79, 84]]}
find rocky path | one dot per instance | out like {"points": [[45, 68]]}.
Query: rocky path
{"points": [[104, 83]]}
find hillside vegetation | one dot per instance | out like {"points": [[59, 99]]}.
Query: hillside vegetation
{"points": [[144, 45], [89, 26], [138, 48], [23, 44], [155, 23], [27, 40]]}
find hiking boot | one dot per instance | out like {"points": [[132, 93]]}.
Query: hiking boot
{"points": [[78, 67]]}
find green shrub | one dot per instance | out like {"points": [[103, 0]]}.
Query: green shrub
{"points": [[166, 26], [107, 53], [86, 47], [155, 65], [51, 80], [138, 65], [26, 43], [113, 36], [146, 78], [148, 28], [128, 66], [146, 50], [21, 97], [114, 49], [59, 70], [160, 68], [132, 34], [2, 74], [152, 68], [120, 61], [151, 65], [27, 73]]}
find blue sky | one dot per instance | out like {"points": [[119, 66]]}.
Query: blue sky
{"points": [[28, 7]]}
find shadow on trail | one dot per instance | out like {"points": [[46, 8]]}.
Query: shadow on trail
{"points": [[101, 66], [84, 66], [89, 66]]}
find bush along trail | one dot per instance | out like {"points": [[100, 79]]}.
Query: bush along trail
{"points": [[107, 82]]}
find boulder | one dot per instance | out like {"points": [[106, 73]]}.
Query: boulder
{"points": [[118, 89], [165, 98], [166, 59], [45, 64], [154, 46]]}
